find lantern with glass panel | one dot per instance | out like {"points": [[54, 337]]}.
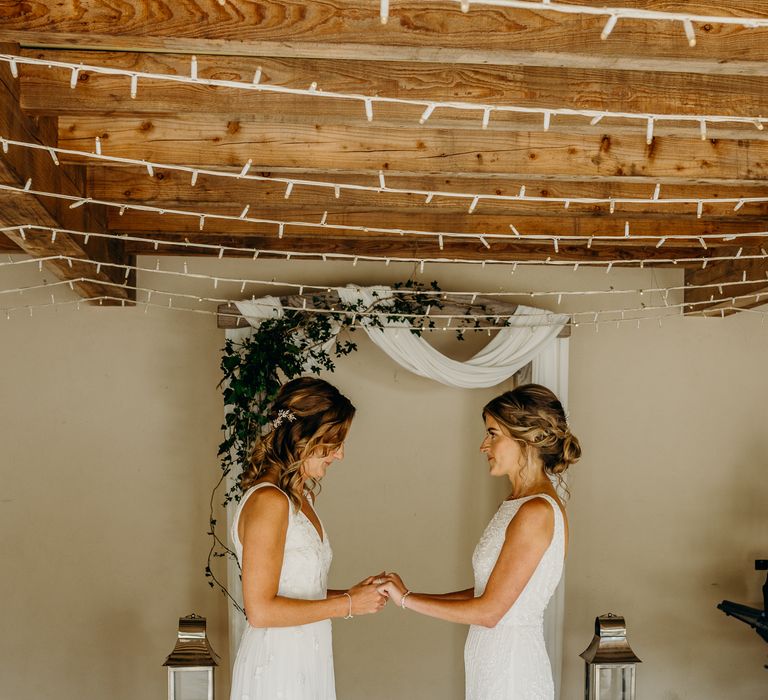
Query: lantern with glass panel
{"points": [[191, 663], [610, 662]]}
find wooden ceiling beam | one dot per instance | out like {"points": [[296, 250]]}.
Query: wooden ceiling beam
{"points": [[19, 166], [729, 274], [233, 141], [439, 32], [47, 91], [397, 247], [564, 225], [171, 187]]}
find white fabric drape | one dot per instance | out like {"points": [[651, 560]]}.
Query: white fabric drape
{"points": [[530, 337], [550, 368], [514, 346]]}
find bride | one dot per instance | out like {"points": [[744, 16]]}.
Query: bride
{"points": [[519, 559], [284, 553]]}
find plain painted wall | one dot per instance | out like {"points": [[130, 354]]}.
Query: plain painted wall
{"points": [[110, 423]]}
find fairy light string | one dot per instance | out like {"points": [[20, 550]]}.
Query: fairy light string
{"points": [[428, 107], [281, 224], [578, 318], [290, 183], [613, 14], [304, 287], [255, 252]]}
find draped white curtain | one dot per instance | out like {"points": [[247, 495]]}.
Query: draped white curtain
{"points": [[514, 346], [530, 337]]}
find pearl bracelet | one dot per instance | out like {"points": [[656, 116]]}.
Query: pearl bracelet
{"points": [[402, 600], [349, 615]]}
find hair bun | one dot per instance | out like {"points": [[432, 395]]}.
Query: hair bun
{"points": [[571, 448]]}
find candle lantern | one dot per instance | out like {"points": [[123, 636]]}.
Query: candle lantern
{"points": [[191, 663], [610, 662]]}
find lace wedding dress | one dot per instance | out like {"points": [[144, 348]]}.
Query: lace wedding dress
{"points": [[509, 661], [289, 663]]}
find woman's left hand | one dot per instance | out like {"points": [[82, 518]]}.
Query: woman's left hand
{"points": [[393, 588]]}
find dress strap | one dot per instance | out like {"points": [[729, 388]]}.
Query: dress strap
{"points": [[256, 487], [236, 520]]}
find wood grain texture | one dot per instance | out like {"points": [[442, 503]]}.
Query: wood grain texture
{"points": [[222, 141], [47, 90], [169, 187], [332, 242], [476, 224], [19, 166], [340, 29], [728, 273]]}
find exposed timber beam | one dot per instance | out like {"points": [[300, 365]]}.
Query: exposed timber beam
{"points": [[18, 167], [298, 246], [173, 188], [233, 141], [342, 29], [47, 91], [731, 276], [564, 225]]}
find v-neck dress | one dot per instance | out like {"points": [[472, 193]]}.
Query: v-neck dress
{"points": [[289, 663]]}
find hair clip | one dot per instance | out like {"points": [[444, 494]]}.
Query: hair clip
{"points": [[283, 414]]}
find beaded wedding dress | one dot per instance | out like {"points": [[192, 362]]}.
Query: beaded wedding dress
{"points": [[289, 663], [509, 661]]}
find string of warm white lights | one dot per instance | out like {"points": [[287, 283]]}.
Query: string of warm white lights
{"points": [[687, 19], [428, 106], [475, 198], [303, 287], [484, 238], [592, 317], [354, 259]]}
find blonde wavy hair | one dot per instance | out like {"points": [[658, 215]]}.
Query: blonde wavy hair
{"points": [[534, 416], [321, 419]]}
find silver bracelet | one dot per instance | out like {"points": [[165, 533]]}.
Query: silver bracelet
{"points": [[349, 615], [402, 600]]}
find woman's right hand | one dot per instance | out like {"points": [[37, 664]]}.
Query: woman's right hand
{"points": [[366, 599], [395, 578]]}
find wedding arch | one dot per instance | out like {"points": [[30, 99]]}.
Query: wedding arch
{"points": [[272, 339]]}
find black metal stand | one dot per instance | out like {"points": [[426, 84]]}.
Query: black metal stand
{"points": [[755, 618]]}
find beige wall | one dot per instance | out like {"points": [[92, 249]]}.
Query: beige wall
{"points": [[108, 428], [669, 507], [109, 425]]}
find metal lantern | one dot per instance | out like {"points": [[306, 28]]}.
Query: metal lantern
{"points": [[610, 662], [191, 663]]}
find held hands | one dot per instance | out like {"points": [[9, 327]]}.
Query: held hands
{"points": [[393, 587], [365, 596]]}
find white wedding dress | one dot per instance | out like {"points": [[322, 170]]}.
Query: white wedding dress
{"points": [[289, 663], [509, 661]]}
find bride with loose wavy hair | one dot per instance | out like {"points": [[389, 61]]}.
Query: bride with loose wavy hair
{"points": [[284, 552], [309, 417]]}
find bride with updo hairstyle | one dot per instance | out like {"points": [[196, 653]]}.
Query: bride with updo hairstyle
{"points": [[534, 416], [518, 561], [284, 552]]}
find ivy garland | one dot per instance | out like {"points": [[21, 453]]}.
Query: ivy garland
{"points": [[283, 348]]}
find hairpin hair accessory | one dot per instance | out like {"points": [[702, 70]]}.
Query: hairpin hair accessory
{"points": [[282, 415]]}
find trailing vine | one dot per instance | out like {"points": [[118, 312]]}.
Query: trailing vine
{"points": [[280, 349]]}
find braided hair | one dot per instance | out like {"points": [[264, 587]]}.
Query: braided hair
{"points": [[534, 416]]}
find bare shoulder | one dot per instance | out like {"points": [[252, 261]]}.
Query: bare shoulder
{"points": [[536, 510], [534, 516], [266, 504]]}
